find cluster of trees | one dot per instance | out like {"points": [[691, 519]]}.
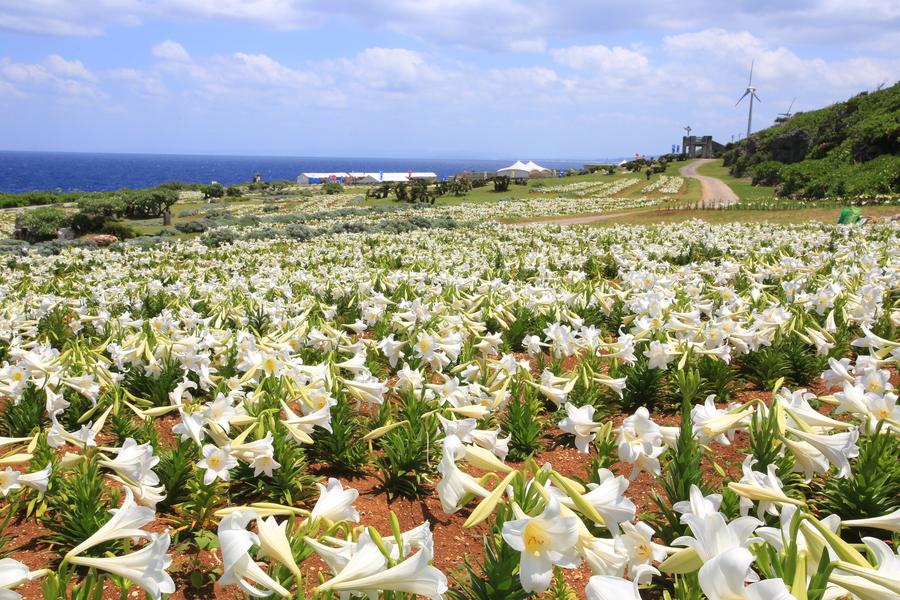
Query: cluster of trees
{"points": [[97, 213], [420, 191]]}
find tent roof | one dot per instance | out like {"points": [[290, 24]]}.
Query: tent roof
{"points": [[533, 166], [323, 175], [516, 166]]}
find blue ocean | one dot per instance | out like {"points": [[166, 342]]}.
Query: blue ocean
{"points": [[65, 171]]}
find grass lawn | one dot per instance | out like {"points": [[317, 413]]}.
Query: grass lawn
{"points": [[824, 215]]}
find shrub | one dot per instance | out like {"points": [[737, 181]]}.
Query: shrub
{"points": [[233, 192], [120, 230], [332, 187], [213, 190], [299, 232], [43, 223], [191, 226], [219, 237]]}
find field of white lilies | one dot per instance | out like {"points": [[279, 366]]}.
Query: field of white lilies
{"points": [[681, 411]]}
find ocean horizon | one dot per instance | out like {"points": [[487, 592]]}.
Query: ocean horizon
{"points": [[26, 171]]}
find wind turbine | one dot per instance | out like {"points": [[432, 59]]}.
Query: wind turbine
{"points": [[787, 115], [750, 91]]}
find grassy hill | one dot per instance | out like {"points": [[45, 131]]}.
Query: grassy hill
{"points": [[850, 149]]}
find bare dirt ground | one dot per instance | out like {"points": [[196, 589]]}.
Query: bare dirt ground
{"points": [[716, 193]]}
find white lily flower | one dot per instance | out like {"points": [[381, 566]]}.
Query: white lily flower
{"points": [[413, 576], [454, 483], [579, 422], [715, 424], [712, 535], [491, 440], [145, 567], [838, 448], [723, 577], [636, 542], [217, 462], [126, 522], [606, 587], [238, 567], [273, 543], [607, 498], [640, 443], [698, 504], [766, 488], [335, 503], [370, 392], [13, 574], [135, 462], [889, 522], [365, 559], [544, 541]]}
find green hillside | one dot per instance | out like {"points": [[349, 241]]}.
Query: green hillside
{"points": [[850, 149]]}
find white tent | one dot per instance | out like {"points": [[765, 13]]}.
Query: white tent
{"points": [[533, 166], [515, 170]]}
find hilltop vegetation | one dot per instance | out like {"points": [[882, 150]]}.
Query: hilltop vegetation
{"points": [[849, 149]]}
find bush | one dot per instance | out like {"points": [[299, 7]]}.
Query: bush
{"points": [[42, 223], [213, 190], [219, 237], [299, 232], [766, 173], [120, 230], [83, 222], [35, 199], [332, 187], [104, 206], [233, 192], [191, 226]]}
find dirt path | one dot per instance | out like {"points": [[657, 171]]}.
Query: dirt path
{"points": [[582, 219], [716, 193]]}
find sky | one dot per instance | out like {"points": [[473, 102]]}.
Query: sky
{"points": [[424, 78]]}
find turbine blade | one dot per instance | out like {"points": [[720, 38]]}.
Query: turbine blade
{"points": [[742, 97], [750, 81], [757, 97]]}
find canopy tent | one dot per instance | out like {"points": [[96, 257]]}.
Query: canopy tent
{"points": [[516, 170], [520, 170], [533, 166]]}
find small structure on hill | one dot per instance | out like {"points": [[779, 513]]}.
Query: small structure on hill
{"points": [[695, 146]]}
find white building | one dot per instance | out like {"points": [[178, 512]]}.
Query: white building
{"points": [[360, 177], [322, 177]]}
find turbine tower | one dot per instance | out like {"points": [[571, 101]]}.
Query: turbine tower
{"points": [[750, 91]]}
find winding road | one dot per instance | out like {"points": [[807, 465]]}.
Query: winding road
{"points": [[716, 193]]}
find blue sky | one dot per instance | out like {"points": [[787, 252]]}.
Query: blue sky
{"points": [[429, 78]]}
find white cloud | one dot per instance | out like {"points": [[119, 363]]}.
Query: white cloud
{"points": [[139, 82], [536, 45], [733, 52], [600, 58], [67, 78], [169, 50], [390, 69]]}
